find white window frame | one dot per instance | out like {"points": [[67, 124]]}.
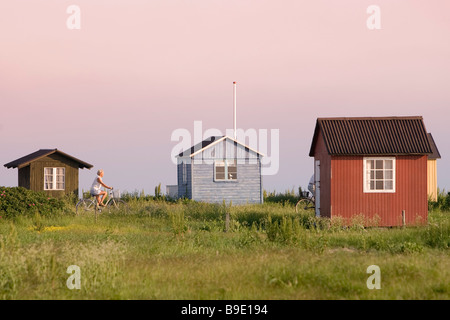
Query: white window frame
{"points": [[54, 175], [225, 163], [367, 179]]}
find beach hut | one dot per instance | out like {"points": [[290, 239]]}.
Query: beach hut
{"points": [[49, 170], [220, 169], [372, 167]]}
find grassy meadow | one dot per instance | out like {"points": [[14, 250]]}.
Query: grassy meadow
{"points": [[188, 250]]}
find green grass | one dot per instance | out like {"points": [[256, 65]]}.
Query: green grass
{"points": [[181, 250]]}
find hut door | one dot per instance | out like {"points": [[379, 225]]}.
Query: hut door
{"points": [[317, 183]]}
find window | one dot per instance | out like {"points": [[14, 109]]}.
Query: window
{"points": [[54, 178], [379, 174], [225, 170]]}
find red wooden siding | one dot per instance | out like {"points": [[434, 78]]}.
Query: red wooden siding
{"points": [[349, 200], [321, 153]]}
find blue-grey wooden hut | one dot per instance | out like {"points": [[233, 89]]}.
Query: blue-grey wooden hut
{"points": [[220, 168]]}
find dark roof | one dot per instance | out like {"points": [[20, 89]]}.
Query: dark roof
{"points": [[199, 146], [21, 162], [205, 143], [435, 154], [373, 136]]}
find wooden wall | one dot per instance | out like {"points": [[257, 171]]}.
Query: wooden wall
{"points": [[34, 175], [321, 153], [246, 189], [24, 177], [432, 179], [349, 200]]}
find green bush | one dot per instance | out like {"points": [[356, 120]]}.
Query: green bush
{"points": [[287, 198], [15, 201], [442, 202]]}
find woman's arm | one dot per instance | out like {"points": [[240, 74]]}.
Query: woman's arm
{"points": [[99, 180]]}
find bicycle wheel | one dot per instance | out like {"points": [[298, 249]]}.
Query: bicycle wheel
{"points": [[117, 206], [85, 205], [304, 204]]}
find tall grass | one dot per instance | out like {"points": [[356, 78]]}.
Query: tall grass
{"points": [[183, 250]]}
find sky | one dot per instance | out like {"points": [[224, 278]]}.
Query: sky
{"points": [[113, 91]]}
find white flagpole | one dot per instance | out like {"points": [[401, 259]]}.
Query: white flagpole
{"points": [[234, 103]]}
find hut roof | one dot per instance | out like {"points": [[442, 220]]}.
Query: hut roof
{"points": [[435, 154], [373, 136], [24, 161], [199, 147]]}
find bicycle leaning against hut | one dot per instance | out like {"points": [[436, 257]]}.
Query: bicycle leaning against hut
{"points": [[307, 200]]}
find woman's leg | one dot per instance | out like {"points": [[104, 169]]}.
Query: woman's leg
{"points": [[103, 196]]}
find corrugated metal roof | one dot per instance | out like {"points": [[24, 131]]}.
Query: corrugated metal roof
{"points": [[435, 154], [43, 153], [373, 136]]}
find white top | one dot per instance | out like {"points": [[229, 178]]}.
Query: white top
{"points": [[96, 185]]}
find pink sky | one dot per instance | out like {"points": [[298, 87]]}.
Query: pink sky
{"points": [[113, 92]]}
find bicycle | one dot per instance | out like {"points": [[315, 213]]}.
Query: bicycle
{"points": [[306, 202], [114, 203]]}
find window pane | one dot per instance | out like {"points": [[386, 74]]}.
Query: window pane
{"points": [[389, 185], [379, 185], [220, 170], [388, 174], [232, 172], [372, 185], [372, 174], [220, 173], [379, 164], [370, 164], [379, 174], [388, 164]]}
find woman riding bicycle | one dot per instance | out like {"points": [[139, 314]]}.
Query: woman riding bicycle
{"points": [[96, 189]]}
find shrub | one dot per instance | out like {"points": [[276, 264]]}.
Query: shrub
{"points": [[287, 198], [15, 201], [442, 202]]}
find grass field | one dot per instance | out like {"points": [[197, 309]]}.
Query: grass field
{"points": [[187, 250]]}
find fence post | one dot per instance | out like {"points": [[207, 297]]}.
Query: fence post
{"points": [[403, 218]]}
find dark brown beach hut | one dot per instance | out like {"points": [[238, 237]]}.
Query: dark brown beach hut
{"points": [[49, 170]]}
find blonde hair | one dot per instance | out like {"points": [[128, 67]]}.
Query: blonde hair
{"points": [[99, 171]]}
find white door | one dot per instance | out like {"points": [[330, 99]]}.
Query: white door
{"points": [[317, 183]]}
